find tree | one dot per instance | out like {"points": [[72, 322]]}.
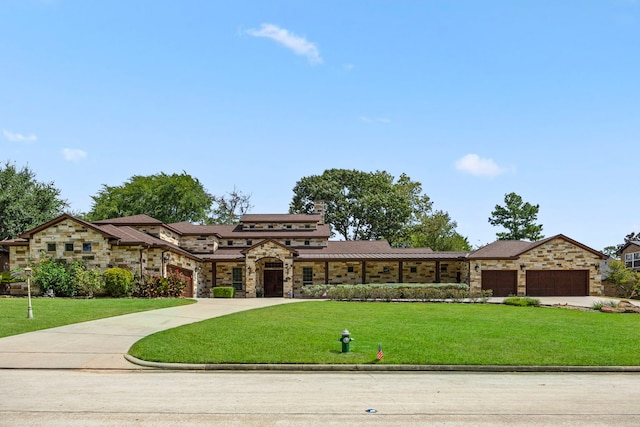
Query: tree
{"points": [[363, 205], [518, 218], [25, 202], [625, 280], [168, 198], [438, 232], [228, 209]]}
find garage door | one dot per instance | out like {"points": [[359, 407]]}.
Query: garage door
{"points": [[502, 282], [550, 283]]}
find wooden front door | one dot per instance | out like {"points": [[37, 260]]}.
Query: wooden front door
{"points": [[273, 285]]}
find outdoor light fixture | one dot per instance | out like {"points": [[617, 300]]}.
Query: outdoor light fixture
{"points": [[597, 266], [27, 271], [166, 257], [522, 266], [249, 270], [477, 267]]}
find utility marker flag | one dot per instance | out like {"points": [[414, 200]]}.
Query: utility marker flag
{"points": [[380, 354]]}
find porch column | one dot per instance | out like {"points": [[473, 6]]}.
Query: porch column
{"points": [[400, 278], [326, 272], [437, 271], [364, 272]]}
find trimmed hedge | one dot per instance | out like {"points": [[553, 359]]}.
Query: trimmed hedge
{"points": [[118, 282], [456, 292], [224, 292], [522, 301]]}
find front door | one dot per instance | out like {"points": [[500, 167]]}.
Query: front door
{"points": [[273, 283]]}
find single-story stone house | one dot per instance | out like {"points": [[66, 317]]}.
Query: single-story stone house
{"points": [[274, 255]]}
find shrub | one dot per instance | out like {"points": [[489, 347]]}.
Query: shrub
{"points": [[608, 303], [53, 276], [155, 286], [118, 282], [522, 301], [625, 280], [87, 282], [224, 292]]}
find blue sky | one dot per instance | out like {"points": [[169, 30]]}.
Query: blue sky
{"points": [[474, 99]]}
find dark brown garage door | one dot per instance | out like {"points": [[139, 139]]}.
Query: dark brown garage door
{"points": [[553, 283], [502, 282]]}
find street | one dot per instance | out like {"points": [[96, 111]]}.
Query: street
{"points": [[149, 397]]}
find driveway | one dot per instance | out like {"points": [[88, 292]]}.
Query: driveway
{"points": [[101, 344]]}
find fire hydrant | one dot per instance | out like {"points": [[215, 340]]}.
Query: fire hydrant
{"points": [[345, 339]]}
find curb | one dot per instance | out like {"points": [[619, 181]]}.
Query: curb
{"points": [[372, 368]]}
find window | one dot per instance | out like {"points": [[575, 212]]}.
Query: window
{"points": [[385, 269], [307, 226], [68, 247], [249, 242], [237, 278], [288, 226], [229, 242], [252, 226], [414, 269], [51, 247], [270, 225], [287, 242], [350, 269], [272, 265], [632, 260], [307, 242], [87, 247], [307, 275], [443, 268]]}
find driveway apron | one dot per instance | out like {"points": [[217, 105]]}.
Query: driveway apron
{"points": [[101, 344]]}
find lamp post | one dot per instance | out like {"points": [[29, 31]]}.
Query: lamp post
{"points": [[27, 271]]}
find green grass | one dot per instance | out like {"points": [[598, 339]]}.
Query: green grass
{"points": [[52, 312], [410, 333]]}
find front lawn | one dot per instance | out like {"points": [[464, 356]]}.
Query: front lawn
{"points": [[52, 312], [410, 333]]}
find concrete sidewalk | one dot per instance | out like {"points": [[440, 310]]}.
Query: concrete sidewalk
{"points": [[101, 344]]}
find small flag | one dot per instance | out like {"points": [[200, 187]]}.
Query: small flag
{"points": [[380, 354], [324, 294]]}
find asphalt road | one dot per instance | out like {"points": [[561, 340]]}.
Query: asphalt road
{"points": [[165, 398]]}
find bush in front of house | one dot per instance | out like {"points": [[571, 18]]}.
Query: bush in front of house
{"points": [[426, 292], [53, 277], [224, 292], [522, 301], [118, 282], [87, 282], [171, 286]]}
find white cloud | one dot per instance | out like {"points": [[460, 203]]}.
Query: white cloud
{"points": [[476, 165], [73, 154], [18, 137], [382, 120], [299, 45]]}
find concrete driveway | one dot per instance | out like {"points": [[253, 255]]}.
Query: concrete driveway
{"points": [[101, 344]]}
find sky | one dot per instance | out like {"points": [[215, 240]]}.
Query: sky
{"points": [[473, 99]]}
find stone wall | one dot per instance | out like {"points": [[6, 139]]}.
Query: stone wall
{"points": [[200, 245]]}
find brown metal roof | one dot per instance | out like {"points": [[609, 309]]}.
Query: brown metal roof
{"points": [[236, 232], [130, 220], [511, 249], [280, 218]]}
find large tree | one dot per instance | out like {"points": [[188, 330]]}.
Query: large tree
{"points": [[518, 218], [168, 198], [437, 231], [25, 202], [229, 208], [363, 205]]}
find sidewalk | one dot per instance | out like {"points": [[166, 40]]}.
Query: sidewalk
{"points": [[101, 344]]}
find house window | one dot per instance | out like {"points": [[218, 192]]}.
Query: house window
{"points": [[307, 275], [288, 225], [287, 242], [350, 269], [249, 242], [385, 269], [443, 268], [307, 226], [252, 226], [237, 278], [628, 260], [270, 225], [51, 247], [87, 247], [229, 242], [272, 265], [414, 269], [68, 247], [307, 243]]}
